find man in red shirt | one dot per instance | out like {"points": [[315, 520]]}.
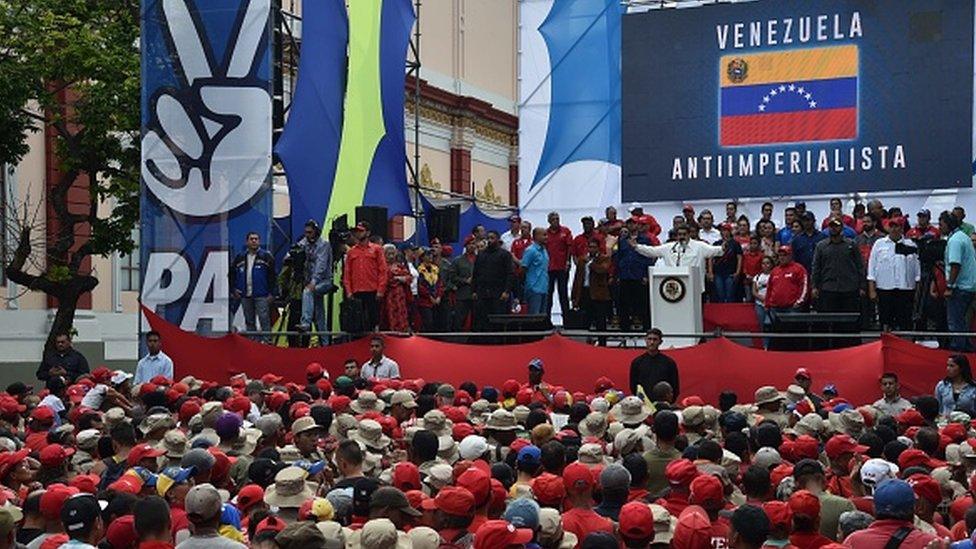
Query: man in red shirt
{"points": [[559, 245], [364, 274], [894, 505], [707, 493], [787, 289], [581, 519], [923, 230], [582, 240]]}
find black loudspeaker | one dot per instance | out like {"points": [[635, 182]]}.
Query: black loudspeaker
{"points": [[375, 216], [444, 223]]}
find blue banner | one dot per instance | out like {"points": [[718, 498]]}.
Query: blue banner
{"points": [[309, 145], [796, 97], [206, 151], [387, 181]]}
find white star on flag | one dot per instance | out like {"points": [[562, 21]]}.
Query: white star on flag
{"points": [[782, 88], [773, 93], [792, 87], [808, 96], [800, 89], [765, 99], [813, 104], [762, 108]]}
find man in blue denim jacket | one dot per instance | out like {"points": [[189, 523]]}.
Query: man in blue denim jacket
{"points": [[254, 282], [318, 277]]}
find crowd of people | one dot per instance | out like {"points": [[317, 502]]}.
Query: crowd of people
{"points": [[377, 458], [896, 273]]}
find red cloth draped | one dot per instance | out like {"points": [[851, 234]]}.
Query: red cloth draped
{"points": [[705, 369]]}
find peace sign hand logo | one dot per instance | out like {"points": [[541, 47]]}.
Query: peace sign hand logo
{"points": [[207, 145]]}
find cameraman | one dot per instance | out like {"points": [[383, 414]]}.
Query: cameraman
{"points": [[291, 282], [317, 279], [893, 273]]}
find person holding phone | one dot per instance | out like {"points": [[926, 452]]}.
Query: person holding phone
{"points": [[893, 274]]}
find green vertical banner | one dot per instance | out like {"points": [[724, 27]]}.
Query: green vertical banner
{"points": [[363, 110]]}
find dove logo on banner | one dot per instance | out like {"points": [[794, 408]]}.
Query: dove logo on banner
{"points": [[206, 151]]}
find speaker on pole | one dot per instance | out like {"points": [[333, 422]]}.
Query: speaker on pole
{"points": [[375, 216], [444, 223]]}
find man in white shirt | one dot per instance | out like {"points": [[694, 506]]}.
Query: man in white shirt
{"points": [[379, 366], [683, 252], [891, 403], [513, 234], [893, 274], [156, 363], [707, 231]]}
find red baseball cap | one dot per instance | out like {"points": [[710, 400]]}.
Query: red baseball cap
{"points": [[913, 457], [55, 455], [693, 400], [129, 484], [53, 499], [785, 249], [44, 414], [524, 396], [122, 532], [238, 404], [636, 521], [549, 489], [275, 400], [839, 445], [603, 383], [314, 370], [147, 388], [453, 501], [248, 496], [160, 380], [805, 446], [271, 379], [911, 417], [692, 529], [86, 483], [189, 409], [272, 523], [955, 431], [499, 533], [9, 460], [406, 476], [510, 387], [707, 491], [478, 481], [681, 472], [10, 405], [780, 472], [803, 373], [926, 488], [779, 513], [498, 496], [803, 502], [142, 451], [578, 478]]}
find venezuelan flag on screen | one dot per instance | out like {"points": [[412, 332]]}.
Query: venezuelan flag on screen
{"points": [[795, 96]]}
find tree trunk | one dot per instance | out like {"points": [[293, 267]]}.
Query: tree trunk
{"points": [[65, 317]]}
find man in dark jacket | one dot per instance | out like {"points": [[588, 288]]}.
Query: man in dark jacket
{"points": [[253, 277], [64, 361], [838, 275], [492, 281], [631, 269], [459, 278], [652, 367]]}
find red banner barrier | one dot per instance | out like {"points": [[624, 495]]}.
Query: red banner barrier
{"points": [[706, 369]]}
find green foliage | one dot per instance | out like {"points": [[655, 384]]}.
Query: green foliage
{"points": [[73, 65]]}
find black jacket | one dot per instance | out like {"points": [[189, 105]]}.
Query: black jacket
{"points": [[74, 363], [647, 371], [493, 273]]}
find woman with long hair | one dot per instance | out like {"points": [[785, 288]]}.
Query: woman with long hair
{"points": [[393, 308], [957, 391]]}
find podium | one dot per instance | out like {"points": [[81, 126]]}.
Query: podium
{"points": [[676, 303]]}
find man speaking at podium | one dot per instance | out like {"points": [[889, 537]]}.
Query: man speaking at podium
{"points": [[684, 252]]}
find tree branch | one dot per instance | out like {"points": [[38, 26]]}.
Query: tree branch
{"points": [[15, 269]]}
